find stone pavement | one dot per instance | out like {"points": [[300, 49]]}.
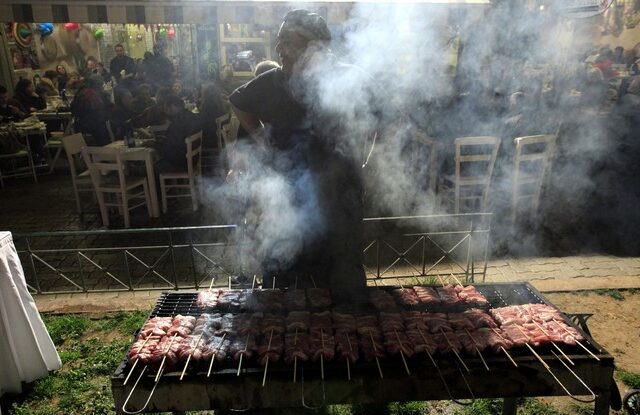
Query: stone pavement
{"points": [[546, 274]]}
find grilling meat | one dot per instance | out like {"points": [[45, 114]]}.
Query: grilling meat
{"points": [[229, 299], [367, 324], [470, 295], [344, 322], [437, 322], [427, 296], [143, 353], [294, 300], [247, 323], [272, 323], [415, 320], [182, 325], [319, 297], [265, 300], [449, 296], [371, 345], [243, 345], [347, 345], [382, 300], [322, 342], [321, 321], [298, 320], [447, 342], [396, 342], [391, 321], [422, 341], [461, 321], [480, 318], [156, 326], [296, 345], [270, 348], [406, 297], [208, 299]]}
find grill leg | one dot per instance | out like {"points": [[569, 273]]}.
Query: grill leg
{"points": [[509, 406], [603, 400]]}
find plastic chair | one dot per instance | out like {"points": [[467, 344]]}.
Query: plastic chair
{"points": [[73, 146], [107, 171], [475, 158], [531, 168], [184, 180]]}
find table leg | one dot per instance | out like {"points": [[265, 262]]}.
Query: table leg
{"points": [[509, 406], [151, 178]]}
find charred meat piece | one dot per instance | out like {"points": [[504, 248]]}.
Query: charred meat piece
{"points": [[406, 297], [226, 325], [422, 341], [298, 320], [492, 339], [516, 336], [231, 299], [391, 321], [321, 321], [427, 295], [270, 348], [396, 342], [296, 345], [414, 320], [447, 342], [272, 323], [449, 296], [247, 323], [480, 318], [437, 322], [367, 324], [243, 345], [322, 342], [461, 321], [319, 297], [382, 300], [265, 300], [347, 345], [371, 345], [470, 295], [294, 300], [344, 322]]}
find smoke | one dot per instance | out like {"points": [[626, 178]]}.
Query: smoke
{"points": [[415, 70]]}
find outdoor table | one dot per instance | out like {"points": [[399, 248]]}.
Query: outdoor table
{"points": [[26, 350], [147, 155]]}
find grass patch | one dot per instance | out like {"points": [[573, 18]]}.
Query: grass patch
{"points": [[615, 294], [629, 378], [527, 406], [62, 328], [125, 323]]}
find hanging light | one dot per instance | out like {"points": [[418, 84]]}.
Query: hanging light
{"points": [[172, 32]]}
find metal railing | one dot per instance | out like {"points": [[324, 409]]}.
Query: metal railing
{"points": [[197, 256]]}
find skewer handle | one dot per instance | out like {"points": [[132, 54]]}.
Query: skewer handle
{"points": [[130, 372]]}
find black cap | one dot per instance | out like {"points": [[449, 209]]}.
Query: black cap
{"points": [[308, 25]]}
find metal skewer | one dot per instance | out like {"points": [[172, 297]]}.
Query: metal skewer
{"points": [[424, 339], [229, 281], [266, 365], [253, 283], [554, 343], [576, 339], [404, 361], [314, 281], [375, 351], [211, 284], [456, 278], [580, 380], [246, 344], [454, 350], [273, 283], [477, 349], [441, 280], [164, 358], [346, 334], [136, 362], [503, 349], [213, 356], [190, 354]]}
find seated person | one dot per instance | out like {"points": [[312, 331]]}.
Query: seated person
{"points": [[91, 107], [49, 81], [212, 106], [25, 94], [173, 150], [10, 109], [121, 118], [155, 114], [142, 98]]}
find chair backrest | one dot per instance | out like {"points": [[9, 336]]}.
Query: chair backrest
{"points": [[194, 154], [229, 132], [101, 161], [112, 137], [73, 145], [221, 122], [475, 158], [430, 145], [531, 165]]}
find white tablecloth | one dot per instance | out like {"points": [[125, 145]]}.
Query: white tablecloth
{"points": [[26, 350]]}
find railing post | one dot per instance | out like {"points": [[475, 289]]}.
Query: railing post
{"points": [[33, 266], [173, 262], [377, 258], [193, 263]]}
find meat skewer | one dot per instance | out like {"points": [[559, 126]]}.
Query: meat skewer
{"points": [[266, 365], [322, 355], [346, 358], [190, 354], [503, 349], [164, 358], [375, 349], [213, 357], [453, 349], [554, 343], [404, 361], [477, 349], [137, 359], [242, 355], [295, 358], [576, 339]]}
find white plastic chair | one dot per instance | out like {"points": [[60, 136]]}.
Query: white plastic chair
{"points": [[73, 146], [184, 180], [532, 163], [475, 159], [107, 171]]}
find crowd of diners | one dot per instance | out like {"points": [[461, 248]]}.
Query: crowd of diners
{"points": [[108, 104]]}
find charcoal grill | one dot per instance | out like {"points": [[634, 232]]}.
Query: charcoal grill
{"points": [[224, 389]]}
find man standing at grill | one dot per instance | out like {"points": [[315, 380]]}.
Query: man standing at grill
{"points": [[122, 66], [299, 116]]}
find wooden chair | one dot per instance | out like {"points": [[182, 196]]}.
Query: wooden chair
{"points": [[475, 158], [532, 163], [81, 181], [184, 180], [212, 156], [107, 171], [429, 145]]}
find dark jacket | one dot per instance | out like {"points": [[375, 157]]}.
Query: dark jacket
{"points": [[119, 63], [7, 115], [174, 149], [30, 101], [91, 110]]}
